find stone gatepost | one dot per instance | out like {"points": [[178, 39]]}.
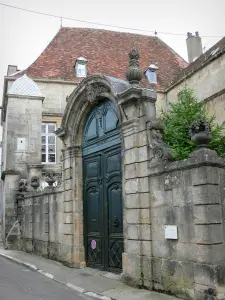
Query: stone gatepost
{"points": [[72, 252], [138, 107], [22, 140]]}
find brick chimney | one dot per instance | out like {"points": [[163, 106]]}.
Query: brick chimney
{"points": [[194, 46]]}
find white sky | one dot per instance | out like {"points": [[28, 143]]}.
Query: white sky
{"points": [[23, 35]]}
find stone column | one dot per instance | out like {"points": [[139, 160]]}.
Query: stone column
{"points": [[138, 106]]}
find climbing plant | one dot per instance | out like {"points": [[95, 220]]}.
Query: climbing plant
{"points": [[178, 119]]}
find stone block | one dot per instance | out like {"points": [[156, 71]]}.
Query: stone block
{"points": [[205, 175], [138, 200], [68, 218], [133, 247], [137, 232], [204, 274], [68, 184], [143, 185], [142, 138], [206, 194], [209, 234], [130, 171], [67, 163], [131, 186], [143, 153], [210, 254], [67, 239], [68, 206], [68, 195], [186, 233], [142, 169], [182, 196], [131, 269], [68, 228], [132, 216], [184, 251], [129, 141], [130, 156], [67, 173], [146, 248], [207, 214], [173, 180]]}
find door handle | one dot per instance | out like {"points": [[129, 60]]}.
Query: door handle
{"points": [[116, 222]]}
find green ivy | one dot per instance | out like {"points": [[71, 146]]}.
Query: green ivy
{"points": [[178, 119]]}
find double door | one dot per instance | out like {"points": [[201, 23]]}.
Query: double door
{"points": [[103, 212]]}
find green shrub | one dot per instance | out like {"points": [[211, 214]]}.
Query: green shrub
{"points": [[178, 120]]}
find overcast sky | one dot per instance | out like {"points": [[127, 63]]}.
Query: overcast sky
{"points": [[24, 35]]}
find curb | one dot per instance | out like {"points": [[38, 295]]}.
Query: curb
{"points": [[78, 289]]}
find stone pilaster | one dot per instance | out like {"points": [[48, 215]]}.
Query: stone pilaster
{"points": [[138, 106]]}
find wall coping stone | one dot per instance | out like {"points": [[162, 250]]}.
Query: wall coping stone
{"points": [[199, 158], [47, 191]]}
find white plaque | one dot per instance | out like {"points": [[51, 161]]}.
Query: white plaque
{"points": [[171, 232]]}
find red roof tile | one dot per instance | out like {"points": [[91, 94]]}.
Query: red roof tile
{"points": [[107, 54]]}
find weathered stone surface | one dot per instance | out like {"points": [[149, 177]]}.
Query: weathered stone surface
{"points": [[206, 214], [209, 234]]}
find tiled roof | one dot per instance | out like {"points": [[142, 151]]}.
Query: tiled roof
{"points": [[201, 61], [107, 54], [25, 86]]}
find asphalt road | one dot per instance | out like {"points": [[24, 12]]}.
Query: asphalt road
{"points": [[20, 283]]}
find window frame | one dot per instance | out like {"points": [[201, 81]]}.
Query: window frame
{"points": [[47, 134], [151, 71]]}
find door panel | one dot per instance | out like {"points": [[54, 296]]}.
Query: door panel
{"points": [[102, 189], [93, 214]]}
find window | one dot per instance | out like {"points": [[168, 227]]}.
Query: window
{"points": [[81, 70], [48, 143], [81, 67], [151, 75]]}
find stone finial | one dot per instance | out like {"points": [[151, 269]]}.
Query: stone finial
{"points": [[200, 133], [50, 178], [23, 185], [35, 182], [134, 74]]}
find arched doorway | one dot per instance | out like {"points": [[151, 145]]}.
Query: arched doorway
{"points": [[102, 190]]}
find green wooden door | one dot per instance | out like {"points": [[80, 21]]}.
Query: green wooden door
{"points": [[103, 222]]}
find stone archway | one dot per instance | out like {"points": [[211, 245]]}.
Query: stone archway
{"points": [[135, 107], [90, 92]]}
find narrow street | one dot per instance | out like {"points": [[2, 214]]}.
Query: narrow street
{"points": [[19, 283]]}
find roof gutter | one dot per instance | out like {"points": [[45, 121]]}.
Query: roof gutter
{"points": [[205, 63]]}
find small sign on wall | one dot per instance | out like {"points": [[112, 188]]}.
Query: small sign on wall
{"points": [[171, 232]]}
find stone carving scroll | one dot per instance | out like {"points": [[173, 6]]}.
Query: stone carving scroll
{"points": [[94, 92], [158, 152]]}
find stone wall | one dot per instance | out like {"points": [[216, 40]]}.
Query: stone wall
{"points": [[206, 82], [190, 195], [41, 216]]}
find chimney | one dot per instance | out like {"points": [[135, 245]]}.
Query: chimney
{"points": [[194, 46], [11, 70]]}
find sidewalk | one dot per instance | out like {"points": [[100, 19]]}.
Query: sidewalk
{"points": [[91, 282]]}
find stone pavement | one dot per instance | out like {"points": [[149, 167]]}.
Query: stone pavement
{"points": [[90, 282]]}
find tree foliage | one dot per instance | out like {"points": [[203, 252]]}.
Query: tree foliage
{"points": [[177, 121]]}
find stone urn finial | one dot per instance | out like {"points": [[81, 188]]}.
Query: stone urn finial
{"points": [[200, 133], [35, 182], [50, 178], [134, 74]]}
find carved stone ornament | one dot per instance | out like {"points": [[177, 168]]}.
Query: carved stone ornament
{"points": [[94, 92], [200, 133], [134, 74], [23, 185], [50, 178], [158, 151], [35, 182]]}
